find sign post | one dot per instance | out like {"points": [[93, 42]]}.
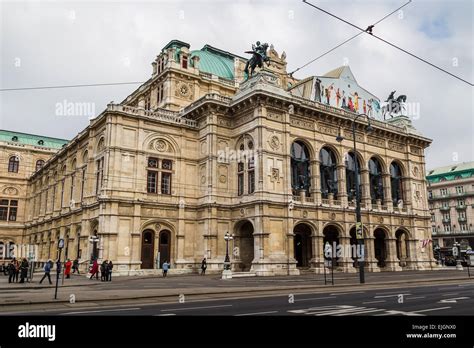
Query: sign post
{"points": [[58, 266]]}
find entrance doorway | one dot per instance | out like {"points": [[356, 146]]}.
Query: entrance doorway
{"points": [[380, 247], [302, 245], [164, 246], [148, 247], [245, 244], [331, 235]]}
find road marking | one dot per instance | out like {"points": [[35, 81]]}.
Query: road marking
{"points": [[104, 310], [453, 300], [313, 298], [451, 294], [431, 309], [164, 315], [463, 285], [394, 312], [404, 294], [362, 311], [191, 308], [379, 301], [414, 298], [260, 313], [348, 293]]}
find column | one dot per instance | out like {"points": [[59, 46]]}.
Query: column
{"points": [[387, 191], [365, 183], [391, 261], [341, 184], [370, 260], [315, 181], [345, 261]]}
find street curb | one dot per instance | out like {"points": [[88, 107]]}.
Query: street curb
{"points": [[234, 291]]}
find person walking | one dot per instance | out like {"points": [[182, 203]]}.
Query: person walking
{"points": [[11, 272], [75, 266], [103, 271], [47, 271], [110, 266], [67, 268], [165, 266], [17, 269], [203, 266], [23, 270], [95, 270]]}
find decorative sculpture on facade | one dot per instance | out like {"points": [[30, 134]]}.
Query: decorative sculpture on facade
{"points": [[259, 56], [393, 106]]}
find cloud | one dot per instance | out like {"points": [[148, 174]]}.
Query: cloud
{"points": [[95, 42]]}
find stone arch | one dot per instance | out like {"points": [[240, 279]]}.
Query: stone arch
{"points": [[245, 139], [100, 143], [400, 164], [162, 143], [11, 190], [309, 146], [383, 163], [245, 244], [334, 149], [381, 236], [303, 234], [360, 157]]}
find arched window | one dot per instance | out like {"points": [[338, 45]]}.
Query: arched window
{"points": [[351, 176], [13, 164], [328, 172], [300, 173], [246, 167], [396, 183], [39, 164], [376, 182]]}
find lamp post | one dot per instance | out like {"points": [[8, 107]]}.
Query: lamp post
{"points": [[359, 230], [438, 256], [227, 273], [457, 255]]}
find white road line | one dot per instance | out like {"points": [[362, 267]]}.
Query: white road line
{"points": [[463, 285], [313, 298], [414, 298], [382, 296], [379, 301], [451, 294], [431, 309], [191, 308], [364, 311], [260, 313], [104, 310], [164, 315], [347, 293]]}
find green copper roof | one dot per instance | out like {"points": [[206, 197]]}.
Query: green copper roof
{"points": [[452, 172], [31, 139], [215, 61]]}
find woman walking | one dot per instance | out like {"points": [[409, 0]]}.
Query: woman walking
{"points": [[110, 266], [67, 268], [95, 270], [203, 266]]}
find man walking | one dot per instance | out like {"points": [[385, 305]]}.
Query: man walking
{"points": [[11, 271], [23, 270], [110, 266], [75, 266], [165, 266], [47, 271], [203, 266]]}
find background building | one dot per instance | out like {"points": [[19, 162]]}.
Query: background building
{"points": [[451, 200], [20, 156], [198, 151]]}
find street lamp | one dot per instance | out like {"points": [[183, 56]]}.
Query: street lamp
{"points": [[457, 255], [227, 238], [437, 253], [359, 230]]}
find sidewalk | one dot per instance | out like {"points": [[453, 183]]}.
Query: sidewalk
{"points": [[130, 288]]}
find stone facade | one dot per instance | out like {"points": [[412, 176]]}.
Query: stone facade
{"points": [[192, 155]]}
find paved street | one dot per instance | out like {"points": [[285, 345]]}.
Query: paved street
{"points": [[445, 292]]}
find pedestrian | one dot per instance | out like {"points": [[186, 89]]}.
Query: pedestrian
{"points": [[110, 266], [67, 268], [47, 271], [17, 269], [165, 266], [203, 266], [103, 271], [95, 270], [23, 270], [11, 272], [75, 266]]}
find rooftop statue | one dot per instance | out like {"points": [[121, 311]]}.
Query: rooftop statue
{"points": [[259, 56], [394, 106]]}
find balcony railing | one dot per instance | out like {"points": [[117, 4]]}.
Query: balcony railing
{"points": [[460, 207], [446, 221], [462, 219], [443, 208]]}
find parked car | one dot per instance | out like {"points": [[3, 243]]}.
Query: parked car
{"points": [[450, 261]]}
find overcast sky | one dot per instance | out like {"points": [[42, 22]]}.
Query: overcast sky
{"points": [[45, 43]]}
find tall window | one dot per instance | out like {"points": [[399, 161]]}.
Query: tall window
{"points": [[99, 175], [443, 191], [396, 183], [39, 164], [147, 103], [376, 182], [328, 172], [300, 173], [185, 62], [73, 182], [351, 176], [251, 174], [83, 181], [240, 178], [13, 164], [461, 202], [459, 189], [159, 171], [62, 193], [8, 209], [166, 166]]}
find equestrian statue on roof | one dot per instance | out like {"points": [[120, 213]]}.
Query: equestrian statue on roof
{"points": [[259, 56]]}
